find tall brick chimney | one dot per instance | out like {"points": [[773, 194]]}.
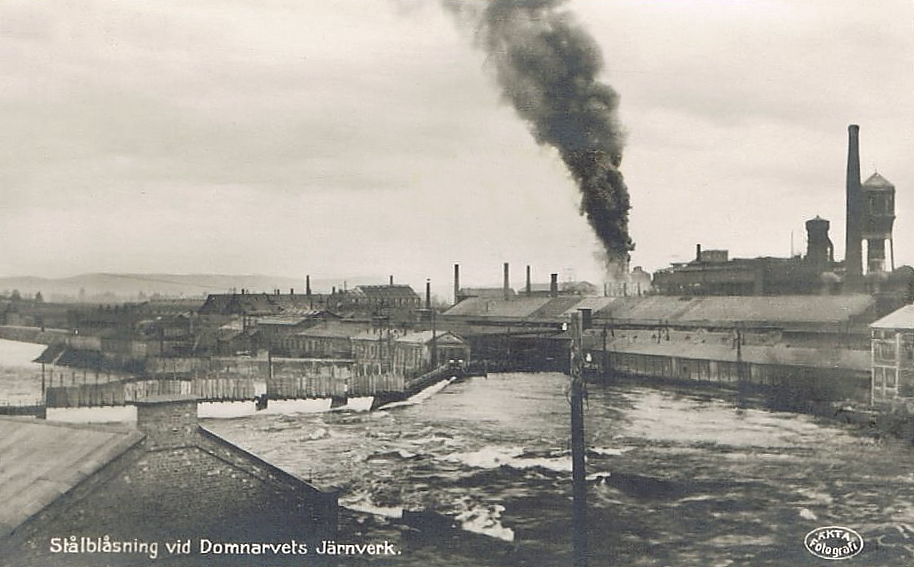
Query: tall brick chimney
{"points": [[853, 243], [507, 283], [167, 421], [528, 289], [456, 282], [553, 285], [308, 285]]}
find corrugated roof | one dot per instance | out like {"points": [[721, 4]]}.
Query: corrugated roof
{"points": [[42, 460], [901, 319], [492, 292], [557, 306], [653, 308], [595, 304], [488, 307], [379, 292], [797, 308], [775, 309]]}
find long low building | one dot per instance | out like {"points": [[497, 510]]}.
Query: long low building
{"points": [[828, 320]]}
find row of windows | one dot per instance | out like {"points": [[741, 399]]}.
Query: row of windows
{"points": [[884, 377]]}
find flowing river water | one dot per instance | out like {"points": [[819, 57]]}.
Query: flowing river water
{"points": [[675, 477]]}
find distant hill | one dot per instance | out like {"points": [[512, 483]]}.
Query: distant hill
{"points": [[123, 287]]}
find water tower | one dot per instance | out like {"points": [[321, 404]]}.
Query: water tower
{"points": [[878, 216]]}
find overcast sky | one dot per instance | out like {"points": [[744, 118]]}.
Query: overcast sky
{"points": [[346, 137]]}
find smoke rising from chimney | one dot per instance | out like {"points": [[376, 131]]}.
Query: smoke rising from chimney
{"points": [[547, 66]]}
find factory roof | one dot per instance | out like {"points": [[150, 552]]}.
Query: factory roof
{"points": [[901, 319], [595, 304], [423, 337], [490, 292], [43, 460], [726, 310], [520, 306], [557, 307], [295, 318], [383, 292], [795, 308], [259, 303]]}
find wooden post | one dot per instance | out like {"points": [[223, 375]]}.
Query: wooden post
{"points": [[434, 342], [578, 467]]}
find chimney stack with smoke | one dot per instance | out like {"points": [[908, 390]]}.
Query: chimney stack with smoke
{"points": [[547, 67]]}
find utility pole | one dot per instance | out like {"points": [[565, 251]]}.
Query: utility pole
{"points": [[434, 341], [578, 472]]}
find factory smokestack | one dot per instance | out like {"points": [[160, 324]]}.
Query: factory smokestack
{"points": [[507, 283], [529, 288], [553, 285], [547, 68], [853, 247], [428, 293], [456, 283]]}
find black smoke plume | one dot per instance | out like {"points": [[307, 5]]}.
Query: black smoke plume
{"points": [[547, 66]]}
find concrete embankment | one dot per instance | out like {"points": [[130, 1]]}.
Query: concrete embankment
{"points": [[37, 335]]}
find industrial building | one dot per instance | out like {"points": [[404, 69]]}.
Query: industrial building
{"points": [[870, 208], [893, 357]]}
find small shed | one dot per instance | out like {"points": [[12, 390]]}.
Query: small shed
{"points": [[892, 347]]}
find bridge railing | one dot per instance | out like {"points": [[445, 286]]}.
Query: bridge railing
{"points": [[126, 392]]}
